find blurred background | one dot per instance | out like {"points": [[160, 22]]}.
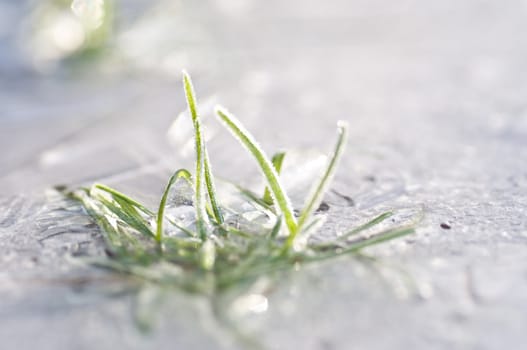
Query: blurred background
{"points": [[94, 83], [399, 71]]}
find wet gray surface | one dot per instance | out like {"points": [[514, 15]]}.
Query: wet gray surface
{"points": [[435, 93]]}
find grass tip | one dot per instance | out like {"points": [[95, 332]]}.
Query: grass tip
{"points": [[342, 124]]}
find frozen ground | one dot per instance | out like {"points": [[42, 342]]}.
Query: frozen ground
{"points": [[435, 93]]}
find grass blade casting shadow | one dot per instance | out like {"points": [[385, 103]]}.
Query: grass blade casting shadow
{"points": [[211, 254]]}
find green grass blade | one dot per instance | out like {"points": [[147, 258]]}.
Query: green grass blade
{"points": [[201, 151], [199, 179], [135, 218], [253, 197], [338, 242], [181, 173], [130, 209], [126, 218], [375, 221], [183, 229], [117, 194], [211, 189], [380, 238], [238, 232], [124, 213], [277, 160], [92, 207], [276, 228], [279, 195], [315, 198], [377, 238]]}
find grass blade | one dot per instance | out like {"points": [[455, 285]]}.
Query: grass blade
{"points": [[371, 223], [117, 194], [92, 207], [315, 198], [201, 149], [338, 242], [211, 189], [183, 229], [135, 219], [199, 179], [276, 229], [277, 161], [252, 197], [124, 213], [380, 238], [279, 196], [181, 173], [377, 238]]}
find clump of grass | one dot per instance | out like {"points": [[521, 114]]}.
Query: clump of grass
{"points": [[214, 254]]}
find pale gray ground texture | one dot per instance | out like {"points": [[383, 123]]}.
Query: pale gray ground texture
{"points": [[436, 96]]}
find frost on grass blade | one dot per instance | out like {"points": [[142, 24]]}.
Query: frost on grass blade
{"points": [[211, 189], [375, 221], [279, 196], [123, 207], [381, 237], [181, 173], [203, 167], [117, 194], [315, 198], [277, 160], [199, 190], [203, 171]]}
